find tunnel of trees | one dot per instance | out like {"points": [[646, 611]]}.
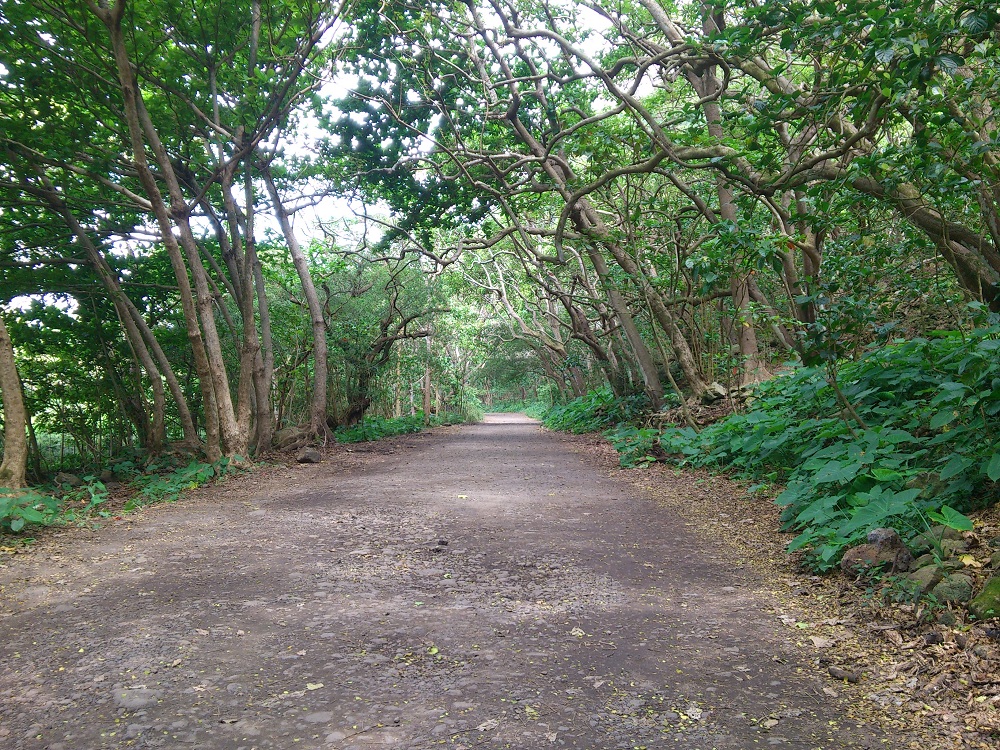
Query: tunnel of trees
{"points": [[226, 226]]}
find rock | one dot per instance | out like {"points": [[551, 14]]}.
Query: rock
{"points": [[954, 588], [287, 436], [926, 577], [71, 479], [930, 540], [884, 551], [995, 560], [309, 456], [987, 604], [843, 674], [994, 543], [953, 547], [946, 617], [107, 475], [714, 392]]}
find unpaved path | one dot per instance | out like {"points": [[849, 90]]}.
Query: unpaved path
{"points": [[482, 586]]}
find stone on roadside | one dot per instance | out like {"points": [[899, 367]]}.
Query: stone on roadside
{"points": [[309, 456], [926, 577], [884, 551], [956, 588], [987, 604], [953, 547], [71, 479], [287, 436], [930, 540], [714, 392]]}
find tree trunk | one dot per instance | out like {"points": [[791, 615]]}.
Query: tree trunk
{"points": [[111, 18], [15, 417], [318, 410]]}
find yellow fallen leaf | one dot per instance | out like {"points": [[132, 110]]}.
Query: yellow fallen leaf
{"points": [[969, 561], [463, 497]]}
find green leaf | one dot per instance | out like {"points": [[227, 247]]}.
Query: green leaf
{"points": [[976, 22], [952, 518], [834, 471], [993, 467], [17, 524], [942, 418], [955, 466], [886, 475]]}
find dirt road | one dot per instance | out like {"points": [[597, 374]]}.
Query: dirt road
{"points": [[482, 586]]}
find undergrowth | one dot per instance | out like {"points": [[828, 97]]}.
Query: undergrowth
{"points": [[911, 438], [598, 410], [374, 428], [161, 480]]}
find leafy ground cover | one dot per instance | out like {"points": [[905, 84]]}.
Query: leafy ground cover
{"points": [[132, 486], [906, 436], [374, 428]]}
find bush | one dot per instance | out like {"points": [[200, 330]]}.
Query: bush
{"points": [[373, 428], [20, 507], [924, 441], [165, 482], [598, 410]]}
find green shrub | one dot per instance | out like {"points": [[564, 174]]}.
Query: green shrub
{"points": [[164, 482], [373, 428], [637, 446], [21, 507], [596, 411], [925, 437]]}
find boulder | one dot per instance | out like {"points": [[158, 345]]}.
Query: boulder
{"points": [[995, 560], [884, 551], [930, 540], [309, 456], [714, 392], [956, 588], [287, 436], [71, 479], [953, 547], [987, 604], [925, 578]]}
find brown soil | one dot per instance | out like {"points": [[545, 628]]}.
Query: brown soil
{"points": [[487, 586]]}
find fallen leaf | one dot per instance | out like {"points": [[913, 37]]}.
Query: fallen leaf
{"points": [[487, 725], [578, 632], [314, 685], [820, 642], [969, 561]]}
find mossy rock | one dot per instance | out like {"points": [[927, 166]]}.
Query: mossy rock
{"points": [[987, 604], [956, 588]]}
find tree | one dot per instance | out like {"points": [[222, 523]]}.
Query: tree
{"points": [[15, 417]]}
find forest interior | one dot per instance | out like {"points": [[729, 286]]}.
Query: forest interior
{"points": [[752, 245]]}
